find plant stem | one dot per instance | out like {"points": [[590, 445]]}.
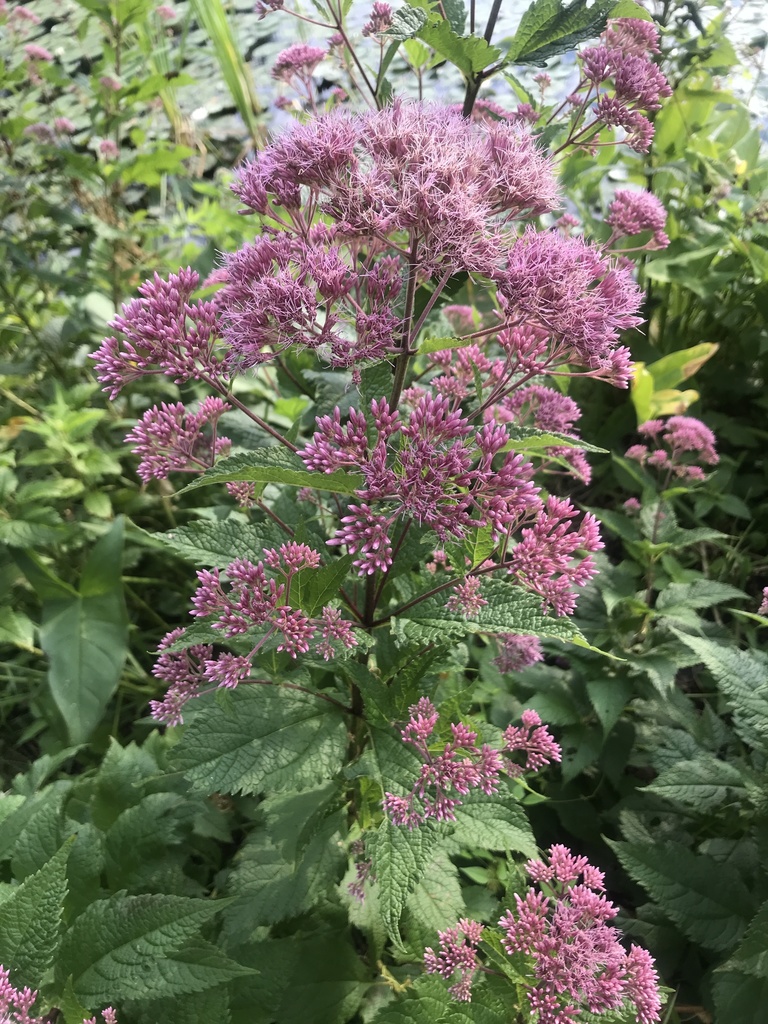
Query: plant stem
{"points": [[401, 365]]}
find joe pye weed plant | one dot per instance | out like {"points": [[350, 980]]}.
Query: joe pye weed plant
{"points": [[413, 309]]}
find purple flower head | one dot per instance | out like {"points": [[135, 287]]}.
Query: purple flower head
{"points": [[64, 126], [22, 13], [298, 60], [677, 441], [40, 131], [632, 212], [632, 35], [763, 609], [169, 438], [573, 292], [466, 597], [380, 19], [533, 740], [517, 652], [109, 149], [110, 83], [456, 957], [163, 332], [577, 958], [34, 52]]}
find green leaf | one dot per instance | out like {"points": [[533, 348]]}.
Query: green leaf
{"points": [[436, 903], [696, 595], [495, 822], [740, 997], [275, 876], [703, 783], [265, 739], [400, 859], [743, 679], [424, 1002], [143, 947], [442, 344], [706, 899], [30, 919], [275, 466], [85, 635], [319, 980], [549, 27], [16, 628], [218, 543], [406, 22], [510, 609], [531, 439], [751, 957], [211, 1007], [609, 697], [470, 54]]}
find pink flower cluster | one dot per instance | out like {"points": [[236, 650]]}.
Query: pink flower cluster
{"points": [[168, 438], [439, 471], [560, 928], [461, 765], [578, 961], [633, 212], [246, 597], [457, 956], [297, 61], [517, 652], [16, 1005], [625, 81], [674, 442], [763, 609]]}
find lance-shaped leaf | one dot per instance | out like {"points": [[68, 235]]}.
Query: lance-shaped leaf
{"points": [[550, 27], [400, 859], [275, 466], [263, 738]]}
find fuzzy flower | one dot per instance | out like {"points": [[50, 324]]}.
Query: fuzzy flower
{"points": [[22, 13], [163, 332], [380, 19], [632, 212], [40, 131], [111, 83], [572, 291], [763, 609], [169, 438], [632, 35], [64, 126], [184, 671], [109, 149], [298, 60], [517, 652], [466, 597], [680, 442], [578, 961], [165, 12], [34, 52], [533, 740], [456, 957], [459, 765]]}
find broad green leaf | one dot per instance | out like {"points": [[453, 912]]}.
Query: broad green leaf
{"points": [[531, 439], [751, 957], [400, 859], [129, 947], [743, 679], [85, 634], [138, 843], [276, 466], [424, 1002], [406, 22], [496, 822], [470, 54], [707, 900], [211, 1007], [703, 783], [320, 979], [510, 609], [549, 27], [16, 628], [696, 595], [609, 697], [265, 739], [673, 369], [739, 997], [442, 344], [275, 877], [436, 903], [208, 542], [30, 921]]}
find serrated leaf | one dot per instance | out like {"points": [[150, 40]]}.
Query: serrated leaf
{"points": [[609, 697], [549, 27], [510, 609], [442, 344], [218, 543], [743, 680], [406, 22], [400, 859], [267, 739], [706, 900], [470, 54], [211, 1007], [702, 783], [751, 957], [494, 822], [129, 947], [437, 902], [423, 1003], [275, 878], [740, 997], [275, 466], [696, 595], [30, 919], [319, 979], [531, 439]]}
